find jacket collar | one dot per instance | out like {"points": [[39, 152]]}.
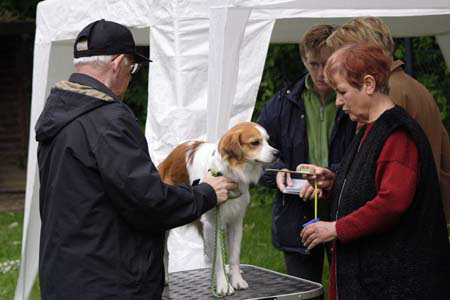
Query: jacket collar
{"points": [[397, 64], [87, 80]]}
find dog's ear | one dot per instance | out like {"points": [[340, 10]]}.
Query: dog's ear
{"points": [[230, 146]]}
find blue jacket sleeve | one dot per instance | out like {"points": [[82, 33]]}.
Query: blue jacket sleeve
{"points": [[134, 186], [270, 120]]}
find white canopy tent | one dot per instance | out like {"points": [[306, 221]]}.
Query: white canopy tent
{"points": [[208, 62]]}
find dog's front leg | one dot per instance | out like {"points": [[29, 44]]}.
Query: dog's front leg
{"points": [[222, 287], [234, 244]]}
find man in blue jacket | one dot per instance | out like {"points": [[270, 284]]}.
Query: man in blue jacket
{"points": [[304, 123], [103, 206]]}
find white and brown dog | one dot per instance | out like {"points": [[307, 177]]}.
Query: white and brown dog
{"points": [[240, 154]]}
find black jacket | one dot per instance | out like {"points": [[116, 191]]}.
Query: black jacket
{"points": [[284, 119], [410, 260], [103, 206]]}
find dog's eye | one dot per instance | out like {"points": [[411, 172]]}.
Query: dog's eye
{"points": [[255, 143]]}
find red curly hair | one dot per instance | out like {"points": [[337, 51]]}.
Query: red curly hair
{"points": [[355, 61]]}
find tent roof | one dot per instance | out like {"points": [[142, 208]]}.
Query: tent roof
{"points": [[337, 4]]}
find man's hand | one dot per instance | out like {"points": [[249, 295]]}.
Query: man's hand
{"points": [[283, 178], [317, 233], [221, 186]]}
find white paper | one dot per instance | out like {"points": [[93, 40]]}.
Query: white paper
{"points": [[295, 187]]}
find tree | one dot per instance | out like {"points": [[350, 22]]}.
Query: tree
{"points": [[18, 9], [430, 69]]}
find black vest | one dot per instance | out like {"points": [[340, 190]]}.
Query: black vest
{"points": [[411, 260]]}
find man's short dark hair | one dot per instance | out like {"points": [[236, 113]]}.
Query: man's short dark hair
{"points": [[315, 39]]}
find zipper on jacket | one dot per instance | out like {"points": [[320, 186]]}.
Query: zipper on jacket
{"points": [[321, 117], [339, 199], [335, 254]]}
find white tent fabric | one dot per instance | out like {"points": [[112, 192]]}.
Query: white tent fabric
{"points": [[208, 61]]}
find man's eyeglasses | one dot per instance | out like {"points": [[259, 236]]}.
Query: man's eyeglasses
{"points": [[134, 68]]}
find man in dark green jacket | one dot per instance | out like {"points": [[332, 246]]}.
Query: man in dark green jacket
{"points": [[103, 206]]}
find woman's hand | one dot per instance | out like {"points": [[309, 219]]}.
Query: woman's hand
{"points": [[307, 192], [283, 178], [317, 233], [325, 178]]}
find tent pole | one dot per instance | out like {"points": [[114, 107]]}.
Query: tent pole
{"points": [[409, 57]]}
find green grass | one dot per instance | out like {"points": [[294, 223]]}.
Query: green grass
{"points": [[257, 246], [256, 250], [10, 249]]}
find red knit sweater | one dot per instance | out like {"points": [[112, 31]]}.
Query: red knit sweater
{"points": [[396, 179]]}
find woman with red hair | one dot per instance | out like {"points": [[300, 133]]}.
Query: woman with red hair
{"points": [[389, 233]]}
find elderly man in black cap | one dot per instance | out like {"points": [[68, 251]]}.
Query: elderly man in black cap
{"points": [[103, 206]]}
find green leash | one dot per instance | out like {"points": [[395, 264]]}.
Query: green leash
{"points": [[218, 232]]}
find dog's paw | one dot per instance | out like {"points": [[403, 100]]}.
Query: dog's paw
{"points": [[223, 289], [238, 282]]}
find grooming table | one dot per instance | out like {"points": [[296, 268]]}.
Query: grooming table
{"points": [[263, 284]]}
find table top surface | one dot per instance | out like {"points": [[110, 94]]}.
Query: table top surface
{"points": [[263, 284]]}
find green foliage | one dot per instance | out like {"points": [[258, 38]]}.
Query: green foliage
{"points": [[430, 69], [137, 95], [283, 67], [18, 9]]}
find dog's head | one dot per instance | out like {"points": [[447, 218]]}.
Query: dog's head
{"points": [[247, 143]]}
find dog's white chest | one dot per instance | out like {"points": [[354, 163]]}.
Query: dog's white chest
{"points": [[230, 212]]}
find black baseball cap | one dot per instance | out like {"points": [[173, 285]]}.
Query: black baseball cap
{"points": [[107, 38]]}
